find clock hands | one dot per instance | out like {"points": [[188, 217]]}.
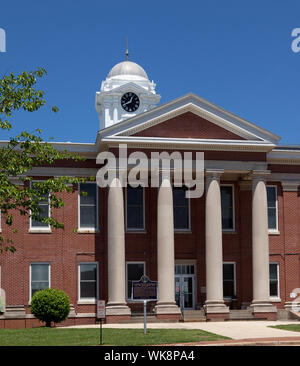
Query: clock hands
{"points": [[128, 102]]}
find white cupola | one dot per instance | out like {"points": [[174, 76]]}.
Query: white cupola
{"points": [[124, 93]]}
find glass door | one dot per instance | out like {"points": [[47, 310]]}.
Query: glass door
{"points": [[184, 291], [188, 291]]}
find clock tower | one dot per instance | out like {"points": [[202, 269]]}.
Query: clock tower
{"points": [[124, 93]]}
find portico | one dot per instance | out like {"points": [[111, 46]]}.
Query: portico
{"points": [[214, 305]]}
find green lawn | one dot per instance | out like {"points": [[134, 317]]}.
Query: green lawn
{"points": [[89, 337], [292, 327]]}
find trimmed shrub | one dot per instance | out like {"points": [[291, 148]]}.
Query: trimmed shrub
{"points": [[50, 305]]}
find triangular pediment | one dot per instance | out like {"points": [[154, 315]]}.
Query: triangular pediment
{"points": [[191, 119], [188, 125]]}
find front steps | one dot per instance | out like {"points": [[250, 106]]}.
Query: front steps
{"points": [[199, 316], [139, 318], [194, 316], [187, 316], [245, 314]]}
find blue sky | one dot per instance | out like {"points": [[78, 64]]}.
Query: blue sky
{"points": [[235, 54]]}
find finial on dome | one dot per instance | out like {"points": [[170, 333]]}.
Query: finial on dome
{"points": [[127, 53]]}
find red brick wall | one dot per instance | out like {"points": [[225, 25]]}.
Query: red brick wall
{"points": [[66, 249], [189, 125]]}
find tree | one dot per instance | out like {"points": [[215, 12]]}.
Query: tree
{"points": [[23, 152]]}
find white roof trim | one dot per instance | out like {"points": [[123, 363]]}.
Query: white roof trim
{"points": [[281, 156], [189, 144]]}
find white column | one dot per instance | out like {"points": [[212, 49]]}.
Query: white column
{"points": [[116, 252], [260, 245], [115, 110], [214, 303], [165, 251]]}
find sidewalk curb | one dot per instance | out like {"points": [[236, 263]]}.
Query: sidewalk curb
{"points": [[285, 341]]}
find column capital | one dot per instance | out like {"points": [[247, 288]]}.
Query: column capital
{"points": [[213, 174], [290, 186], [260, 175]]}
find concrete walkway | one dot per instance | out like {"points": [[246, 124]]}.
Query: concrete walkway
{"points": [[237, 330]]}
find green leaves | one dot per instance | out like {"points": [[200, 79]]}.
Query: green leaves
{"points": [[50, 305], [24, 152]]}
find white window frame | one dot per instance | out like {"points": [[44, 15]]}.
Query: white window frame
{"points": [[88, 229], [189, 229], [40, 229], [272, 298], [276, 195], [88, 300], [234, 279], [129, 299], [233, 206], [30, 276], [143, 229]]}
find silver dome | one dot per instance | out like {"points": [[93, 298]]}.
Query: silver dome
{"points": [[127, 68]]}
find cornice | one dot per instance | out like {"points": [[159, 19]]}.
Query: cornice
{"points": [[189, 144], [283, 155]]}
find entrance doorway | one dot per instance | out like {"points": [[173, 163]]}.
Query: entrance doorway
{"points": [[185, 286]]}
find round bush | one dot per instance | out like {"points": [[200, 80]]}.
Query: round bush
{"points": [[50, 305]]}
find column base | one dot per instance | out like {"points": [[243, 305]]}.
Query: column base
{"points": [[216, 310], [263, 310], [117, 313], [293, 306], [167, 311]]}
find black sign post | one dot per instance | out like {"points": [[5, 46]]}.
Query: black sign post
{"points": [[101, 315], [144, 290]]}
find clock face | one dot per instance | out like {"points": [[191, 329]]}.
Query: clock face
{"points": [[130, 102]]}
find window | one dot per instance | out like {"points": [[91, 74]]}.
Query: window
{"points": [[229, 290], [274, 280], [272, 207], [39, 277], [227, 207], [88, 206], [184, 269], [88, 281], [44, 212], [135, 219], [134, 273], [181, 209]]}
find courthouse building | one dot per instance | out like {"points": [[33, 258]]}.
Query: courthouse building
{"points": [[231, 253]]}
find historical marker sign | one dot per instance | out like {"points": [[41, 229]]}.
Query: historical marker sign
{"points": [[144, 289]]}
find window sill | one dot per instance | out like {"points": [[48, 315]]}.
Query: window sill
{"points": [[87, 302], [274, 232], [275, 299], [136, 231], [183, 231], [87, 231], [229, 232], [40, 231]]}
